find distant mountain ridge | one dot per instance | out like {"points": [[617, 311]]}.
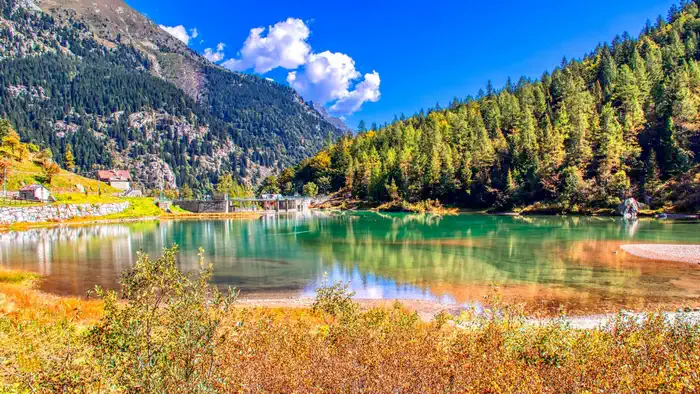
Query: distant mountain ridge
{"points": [[337, 122], [104, 79]]}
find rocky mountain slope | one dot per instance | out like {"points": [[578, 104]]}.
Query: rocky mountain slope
{"points": [[100, 77]]}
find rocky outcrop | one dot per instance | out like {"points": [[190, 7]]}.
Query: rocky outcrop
{"points": [[57, 213]]}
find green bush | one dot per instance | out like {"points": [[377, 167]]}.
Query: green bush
{"points": [[335, 300], [165, 338]]}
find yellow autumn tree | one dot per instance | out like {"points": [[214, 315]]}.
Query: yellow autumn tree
{"points": [[69, 159]]}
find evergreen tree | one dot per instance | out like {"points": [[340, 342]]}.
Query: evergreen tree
{"points": [[652, 179], [361, 128]]}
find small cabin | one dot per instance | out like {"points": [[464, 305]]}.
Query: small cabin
{"points": [[118, 179], [34, 193]]}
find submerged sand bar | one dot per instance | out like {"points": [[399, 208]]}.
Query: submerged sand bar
{"points": [[680, 253]]}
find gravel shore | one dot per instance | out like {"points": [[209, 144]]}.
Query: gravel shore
{"points": [[679, 253], [600, 321]]}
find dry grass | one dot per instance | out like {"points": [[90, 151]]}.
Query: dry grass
{"points": [[20, 300]]}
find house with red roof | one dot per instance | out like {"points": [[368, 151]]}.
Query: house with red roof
{"points": [[118, 179]]}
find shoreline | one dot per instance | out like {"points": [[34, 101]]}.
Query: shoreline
{"points": [[82, 221], [23, 226], [680, 253]]}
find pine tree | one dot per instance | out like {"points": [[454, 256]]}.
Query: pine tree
{"points": [[528, 147], [641, 76], [652, 178], [579, 104], [607, 72], [611, 142], [349, 175], [628, 94], [361, 128]]}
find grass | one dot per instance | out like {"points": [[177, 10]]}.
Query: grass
{"points": [[82, 198], [52, 344], [14, 276], [26, 172], [138, 207]]}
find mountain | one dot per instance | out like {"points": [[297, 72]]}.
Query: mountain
{"points": [[622, 121], [100, 77], [337, 122]]}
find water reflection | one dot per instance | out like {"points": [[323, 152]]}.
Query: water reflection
{"points": [[374, 287], [547, 261]]}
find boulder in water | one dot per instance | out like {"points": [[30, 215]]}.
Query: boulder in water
{"points": [[629, 208]]}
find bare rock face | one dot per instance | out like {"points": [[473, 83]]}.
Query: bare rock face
{"points": [[153, 172]]}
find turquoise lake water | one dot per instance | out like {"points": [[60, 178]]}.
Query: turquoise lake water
{"points": [[574, 262]]}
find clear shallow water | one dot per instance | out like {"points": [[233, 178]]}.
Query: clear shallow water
{"points": [[545, 261]]}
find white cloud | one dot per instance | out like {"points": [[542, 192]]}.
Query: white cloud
{"points": [[215, 56], [180, 32], [284, 46], [326, 78], [367, 90]]}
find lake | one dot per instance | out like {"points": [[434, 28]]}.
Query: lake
{"points": [[544, 262]]}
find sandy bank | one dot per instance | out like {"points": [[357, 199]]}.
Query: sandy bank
{"points": [[679, 253]]}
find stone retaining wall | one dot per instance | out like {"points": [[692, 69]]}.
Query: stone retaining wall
{"points": [[55, 213]]}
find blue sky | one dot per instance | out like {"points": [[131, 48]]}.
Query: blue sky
{"points": [[373, 59]]}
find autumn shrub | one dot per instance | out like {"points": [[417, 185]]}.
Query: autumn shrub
{"points": [[165, 338], [335, 300]]}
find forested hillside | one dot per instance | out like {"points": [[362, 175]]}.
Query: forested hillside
{"points": [[621, 121], [102, 80]]}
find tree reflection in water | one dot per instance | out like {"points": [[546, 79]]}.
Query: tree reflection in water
{"points": [[544, 261]]}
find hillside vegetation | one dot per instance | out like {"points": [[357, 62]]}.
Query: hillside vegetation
{"points": [[123, 93], [25, 164], [622, 121]]}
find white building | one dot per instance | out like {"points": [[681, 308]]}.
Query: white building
{"points": [[34, 193], [118, 179]]}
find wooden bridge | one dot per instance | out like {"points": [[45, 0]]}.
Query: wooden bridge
{"points": [[262, 205]]}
